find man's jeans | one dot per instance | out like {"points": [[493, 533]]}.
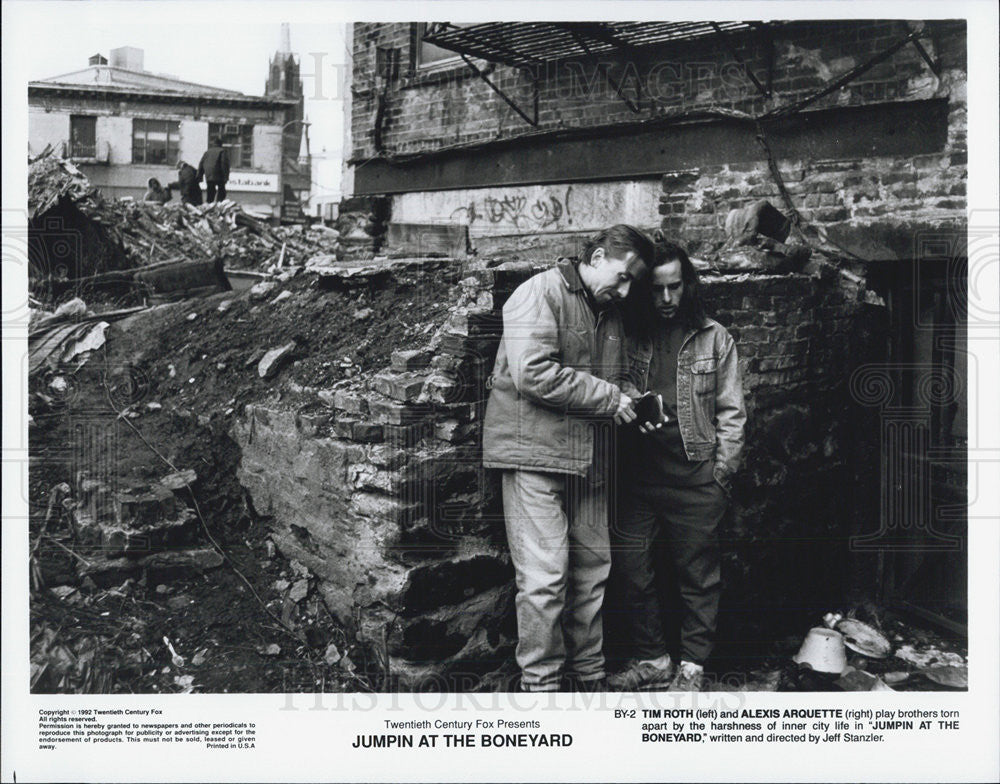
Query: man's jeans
{"points": [[687, 519], [557, 528]]}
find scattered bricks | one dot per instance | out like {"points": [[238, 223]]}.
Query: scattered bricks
{"points": [[463, 346], [312, 423], [415, 359], [392, 412], [260, 290], [367, 477], [356, 430], [405, 435], [391, 456], [463, 412], [274, 360], [327, 396], [342, 426], [443, 388], [145, 505], [404, 387], [822, 186], [366, 432], [135, 538], [453, 431], [350, 402]]}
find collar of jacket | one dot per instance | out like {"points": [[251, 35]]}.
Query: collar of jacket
{"points": [[570, 274]]}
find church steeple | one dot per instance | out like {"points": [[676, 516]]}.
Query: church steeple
{"points": [[283, 71]]}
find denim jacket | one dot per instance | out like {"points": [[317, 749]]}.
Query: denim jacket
{"points": [[710, 409]]}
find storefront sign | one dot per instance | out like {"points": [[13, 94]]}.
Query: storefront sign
{"points": [[252, 182]]}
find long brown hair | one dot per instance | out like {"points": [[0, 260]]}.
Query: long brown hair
{"points": [[638, 310]]}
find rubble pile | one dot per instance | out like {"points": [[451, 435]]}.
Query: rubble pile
{"points": [[145, 233], [153, 232]]}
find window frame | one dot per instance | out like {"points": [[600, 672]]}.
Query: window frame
{"points": [[443, 64], [173, 141], [91, 150], [245, 132]]}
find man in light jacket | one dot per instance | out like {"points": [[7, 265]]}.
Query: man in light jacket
{"points": [[214, 166], [676, 474], [547, 421]]}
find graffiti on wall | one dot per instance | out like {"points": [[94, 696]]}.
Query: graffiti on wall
{"points": [[516, 210]]}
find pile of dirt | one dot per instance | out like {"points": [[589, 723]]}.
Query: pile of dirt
{"points": [[160, 395]]}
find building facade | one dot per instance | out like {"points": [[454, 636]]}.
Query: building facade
{"points": [[122, 125]]}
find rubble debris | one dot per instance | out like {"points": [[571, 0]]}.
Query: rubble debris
{"points": [[179, 480], [132, 234], [864, 639], [852, 679], [953, 677], [68, 310], [178, 660], [274, 359], [742, 225], [822, 651], [260, 290], [332, 655], [299, 590], [928, 657], [168, 565]]}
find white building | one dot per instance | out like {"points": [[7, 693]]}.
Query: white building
{"points": [[122, 125]]}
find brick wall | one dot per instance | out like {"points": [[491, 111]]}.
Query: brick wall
{"points": [[428, 112], [836, 193]]}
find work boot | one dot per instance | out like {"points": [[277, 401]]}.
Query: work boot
{"points": [[639, 674], [689, 677]]}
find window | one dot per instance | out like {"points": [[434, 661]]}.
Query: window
{"points": [[155, 141], [238, 139], [82, 137], [430, 56]]}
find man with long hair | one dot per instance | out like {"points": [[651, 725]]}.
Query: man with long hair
{"points": [[675, 472], [553, 398]]}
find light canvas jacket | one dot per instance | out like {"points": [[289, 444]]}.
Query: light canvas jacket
{"points": [[549, 389]]}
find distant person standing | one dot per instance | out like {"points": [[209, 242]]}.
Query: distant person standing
{"points": [[214, 167], [187, 183]]}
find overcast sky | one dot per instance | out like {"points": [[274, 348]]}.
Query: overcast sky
{"points": [[212, 52]]}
